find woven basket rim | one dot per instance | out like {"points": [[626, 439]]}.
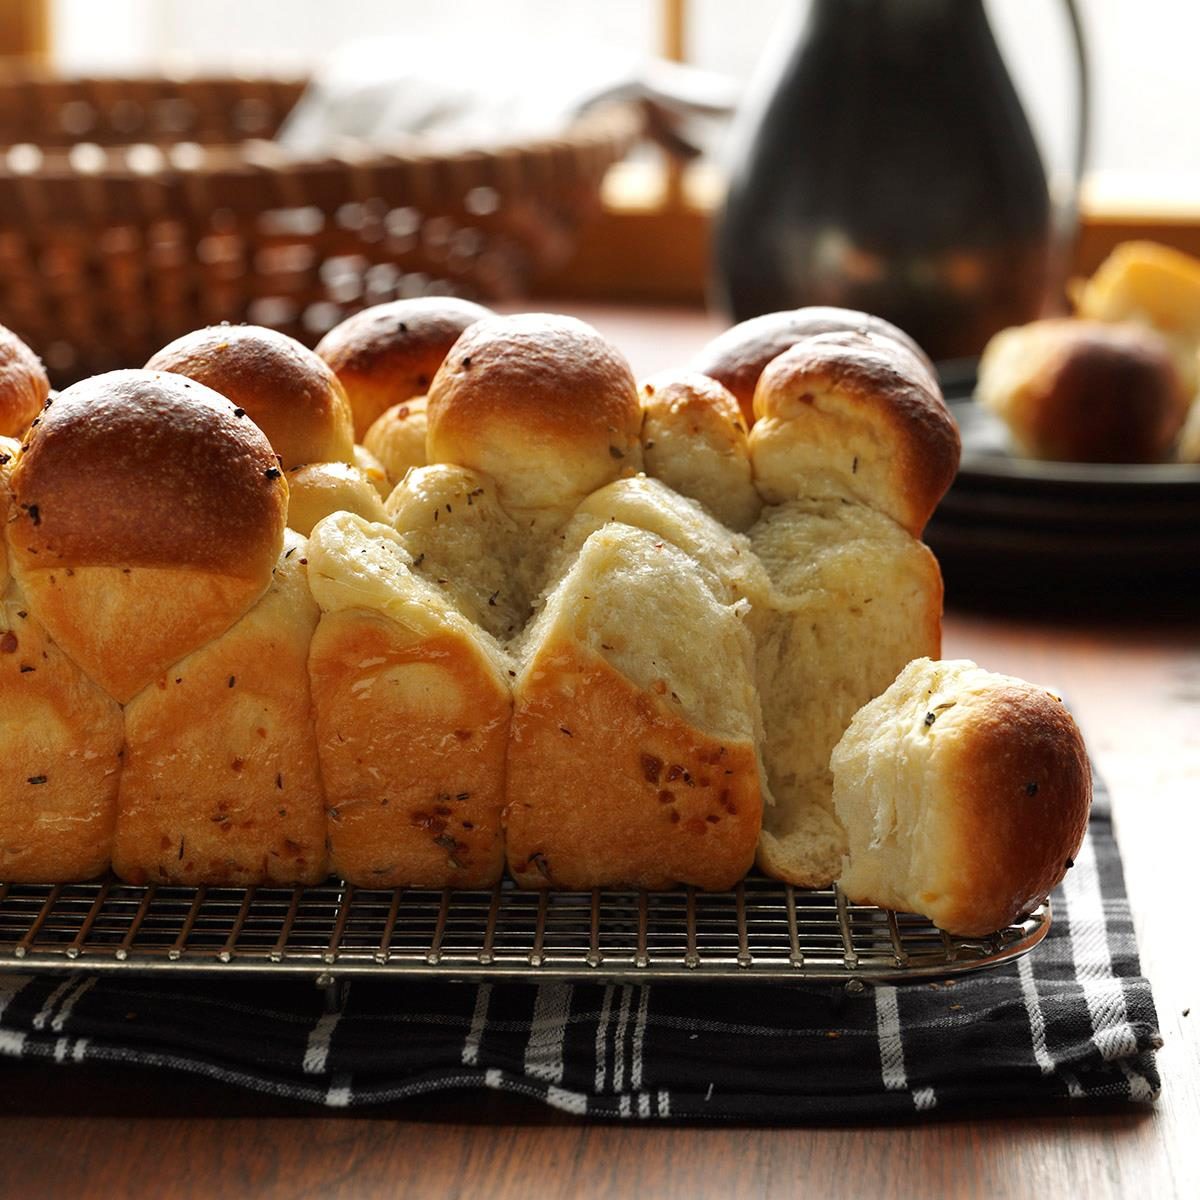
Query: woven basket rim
{"points": [[606, 125]]}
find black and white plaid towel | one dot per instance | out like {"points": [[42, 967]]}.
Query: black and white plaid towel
{"points": [[1075, 1019]]}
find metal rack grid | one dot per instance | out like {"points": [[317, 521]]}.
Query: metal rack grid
{"points": [[762, 930]]}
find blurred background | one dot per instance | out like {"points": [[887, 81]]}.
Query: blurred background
{"points": [[1143, 166]]}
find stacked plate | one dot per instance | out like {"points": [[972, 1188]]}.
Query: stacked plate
{"points": [[1019, 525]]}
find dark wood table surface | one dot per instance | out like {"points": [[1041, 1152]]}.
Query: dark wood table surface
{"points": [[1134, 681]]}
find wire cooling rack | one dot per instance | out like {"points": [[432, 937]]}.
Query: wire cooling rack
{"points": [[762, 930]]}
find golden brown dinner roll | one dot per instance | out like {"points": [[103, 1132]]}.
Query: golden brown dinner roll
{"points": [[965, 796], [390, 353], [412, 708], [853, 598], [318, 489], [738, 356], [1084, 391], [633, 757], [1154, 285], [843, 414], [23, 385], [694, 440], [288, 392], [542, 404], [60, 756], [148, 516], [221, 782], [397, 438]]}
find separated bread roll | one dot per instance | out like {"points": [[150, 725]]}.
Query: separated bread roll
{"points": [[853, 598], [412, 707], [694, 440], [318, 489], [845, 415], [23, 385], [633, 757], [965, 796], [373, 469], [543, 405], [1151, 285], [390, 353], [221, 782], [397, 438], [738, 356], [288, 392], [464, 544], [148, 516], [60, 745], [1084, 391]]}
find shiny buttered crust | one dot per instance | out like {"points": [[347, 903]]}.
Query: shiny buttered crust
{"points": [[397, 438], [737, 357], [850, 414], [412, 706], [390, 353], [221, 783], [60, 755], [633, 754], [694, 440], [965, 796], [318, 489], [285, 389], [23, 385], [543, 404], [148, 514], [1084, 391]]}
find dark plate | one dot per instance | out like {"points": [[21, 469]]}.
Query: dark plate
{"points": [[1016, 523]]}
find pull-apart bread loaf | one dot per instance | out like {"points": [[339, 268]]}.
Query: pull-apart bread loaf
{"points": [[601, 638], [965, 796], [297, 401]]}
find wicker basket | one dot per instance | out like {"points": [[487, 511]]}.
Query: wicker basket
{"points": [[132, 211]]}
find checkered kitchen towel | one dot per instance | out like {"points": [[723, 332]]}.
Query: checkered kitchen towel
{"points": [[1073, 1020]]}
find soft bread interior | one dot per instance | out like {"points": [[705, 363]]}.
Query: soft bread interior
{"points": [[853, 599], [463, 542], [638, 602], [726, 559], [884, 784]]}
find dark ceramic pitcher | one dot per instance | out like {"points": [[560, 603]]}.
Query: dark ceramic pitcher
{"points": [[890, 167]]}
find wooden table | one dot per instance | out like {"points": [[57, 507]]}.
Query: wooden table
{"points": [[1135, 685]]}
